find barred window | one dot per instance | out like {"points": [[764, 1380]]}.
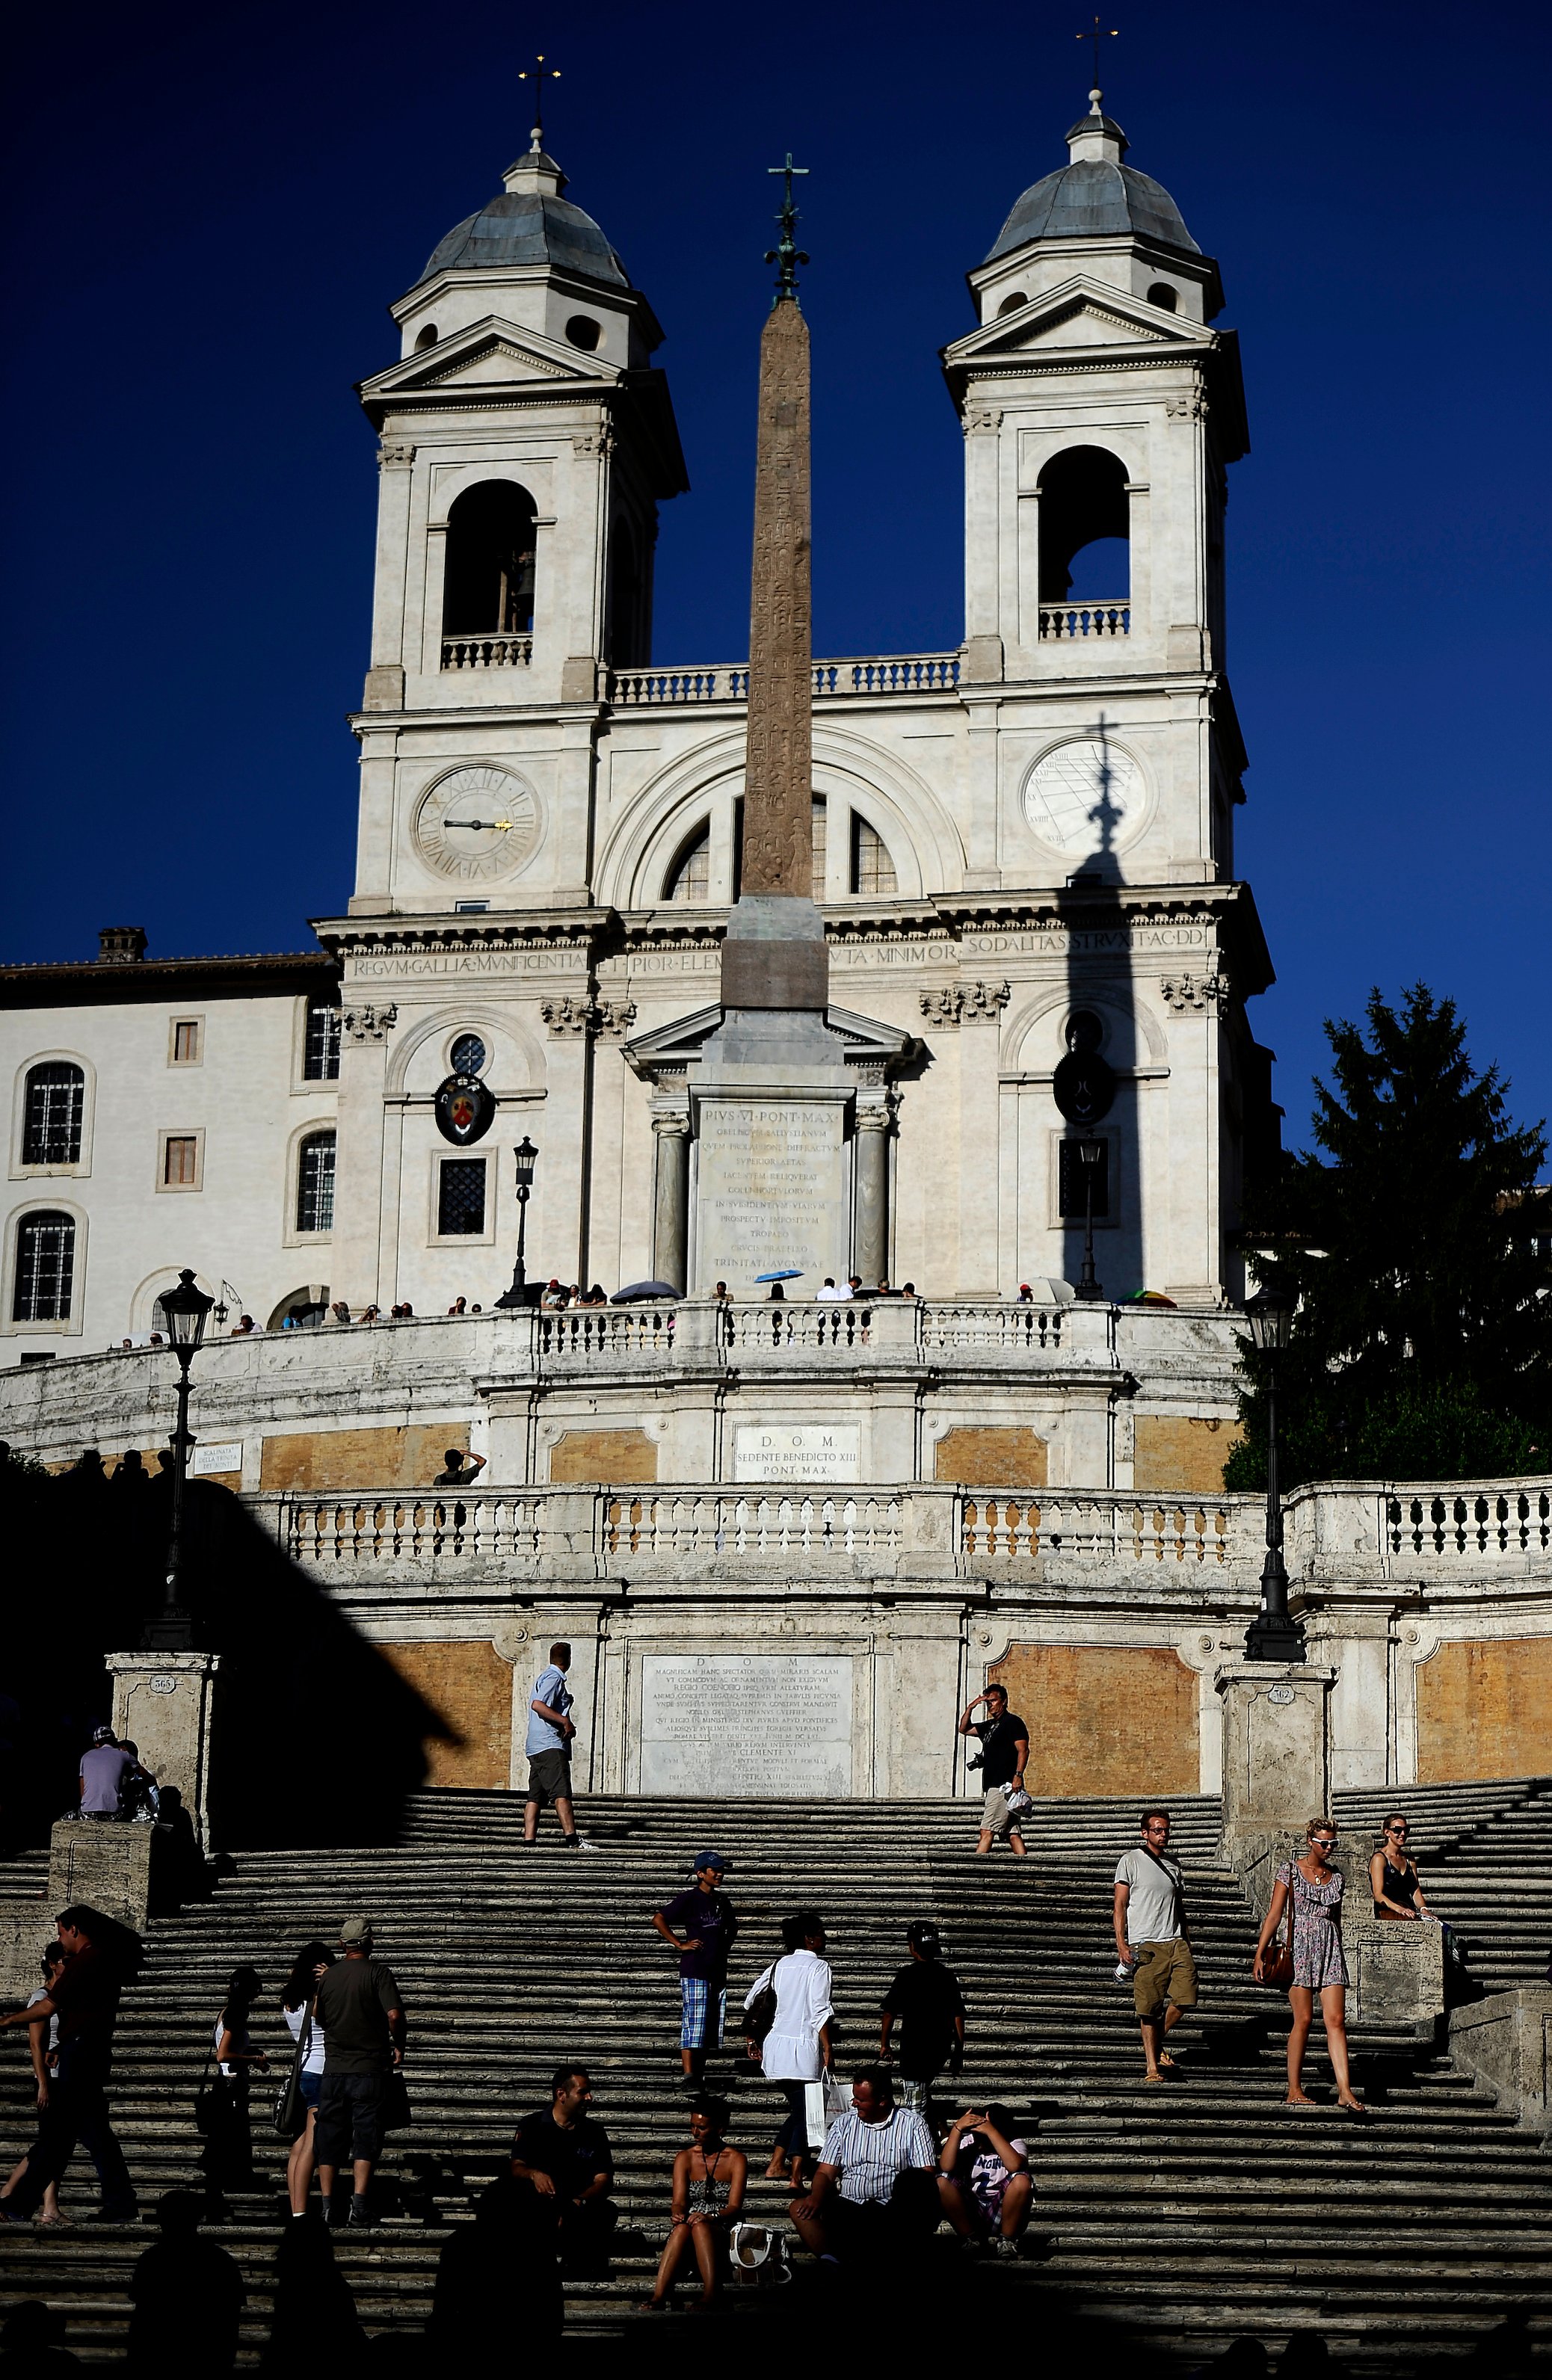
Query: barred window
{"points": [[461, 1196], [321, 1063], [468, 1054], [689, 878], [45, 1268], [872, 869], [56, 1104], [1073, 1191], [315, 1183]]}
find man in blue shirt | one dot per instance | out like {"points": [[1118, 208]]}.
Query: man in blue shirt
{"points": [[711, 1928], [548, 1749]]}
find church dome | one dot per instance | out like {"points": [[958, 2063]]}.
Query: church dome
{"points": [[1095, 197], [530, 222]]}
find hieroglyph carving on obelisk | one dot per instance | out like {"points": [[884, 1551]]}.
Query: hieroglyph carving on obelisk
{"points": [[778, 792]]}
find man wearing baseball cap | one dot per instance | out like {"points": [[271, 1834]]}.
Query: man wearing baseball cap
{"points": [[102, 1772], [360, 2010], [711, 1928], [927, 2001]]}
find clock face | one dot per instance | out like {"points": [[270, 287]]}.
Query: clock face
{"points": [[476, 824], [1085, 799]]}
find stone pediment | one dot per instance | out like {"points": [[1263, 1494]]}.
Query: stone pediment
{"points": [[1078, 314], [491, 354], [676, 1048]]}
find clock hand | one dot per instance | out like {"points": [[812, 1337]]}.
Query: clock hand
{"points": [[482, 826]]}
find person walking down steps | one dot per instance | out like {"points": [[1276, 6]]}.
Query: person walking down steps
{"points": [[1315, 1888], [1153, 1939]]}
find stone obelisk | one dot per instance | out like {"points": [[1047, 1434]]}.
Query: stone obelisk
{"points": [[773, 1094]]}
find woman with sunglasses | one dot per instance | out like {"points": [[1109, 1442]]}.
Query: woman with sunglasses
{"points": [[1314, 1889], [1393, 1877]]}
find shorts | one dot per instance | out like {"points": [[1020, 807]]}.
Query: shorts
{"points": [[350, 2116], [549, 1777], [1164, 1971], [996, 1816], [702, 2008], [309, 2086]]}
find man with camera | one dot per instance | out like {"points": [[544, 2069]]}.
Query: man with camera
{"points": [[1004, 1740]]}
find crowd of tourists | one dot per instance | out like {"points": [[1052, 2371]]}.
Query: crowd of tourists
{"points": [[873, 2161]]}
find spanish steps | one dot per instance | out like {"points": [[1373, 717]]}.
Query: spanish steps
{"points": [[1173, 2218]]}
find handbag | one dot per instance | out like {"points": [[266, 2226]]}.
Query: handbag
{"points": [[209, 2100], [290, 2109], [1277, 1970], [760, 2014], [758, 2255]]}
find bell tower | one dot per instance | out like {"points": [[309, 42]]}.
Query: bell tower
{"points": [[525, 442]]}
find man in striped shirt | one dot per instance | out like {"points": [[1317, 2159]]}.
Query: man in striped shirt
{"points": [[864, 2155]]}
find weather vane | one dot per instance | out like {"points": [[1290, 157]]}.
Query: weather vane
{"points": [[1098, 33], [786, 255], [538, 76]]}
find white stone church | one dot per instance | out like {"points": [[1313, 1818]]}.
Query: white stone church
{"points": [[1021, 846]]}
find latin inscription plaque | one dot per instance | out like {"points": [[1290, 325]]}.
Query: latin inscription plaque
{"points": [[828, 1453], [770, 1193], [733, 1724]]}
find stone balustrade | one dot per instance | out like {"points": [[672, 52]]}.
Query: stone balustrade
{"points": [[486, 653], [888, 674], [1086, 620]]}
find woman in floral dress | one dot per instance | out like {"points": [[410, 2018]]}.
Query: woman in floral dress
{"points": [[1315, 1888]]}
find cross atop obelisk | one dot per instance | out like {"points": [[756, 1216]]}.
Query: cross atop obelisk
{"points": [[774, 956]]}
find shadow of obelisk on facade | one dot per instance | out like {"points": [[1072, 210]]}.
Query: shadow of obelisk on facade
{"points": [[772, 1093]]}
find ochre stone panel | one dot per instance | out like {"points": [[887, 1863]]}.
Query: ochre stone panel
{"points": [[1179, 1454], [1105, 1720], [470, 1687], [610, 1454], [326, 1460], [1484, 1709], [972, 1457]]}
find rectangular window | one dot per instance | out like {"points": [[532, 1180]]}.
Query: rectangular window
{"points": [[320, 1062], [1072, 1187], [461, 1198], [186, 1041], [315, 1183], [180, 1161]]}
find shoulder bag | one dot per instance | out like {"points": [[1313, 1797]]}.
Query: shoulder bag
{"points": [[209, 2099], [290, 2109], [760, 2014]]}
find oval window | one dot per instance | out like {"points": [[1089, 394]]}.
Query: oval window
{"points": [[1163, 294], [468, 1054], [583, 332]]}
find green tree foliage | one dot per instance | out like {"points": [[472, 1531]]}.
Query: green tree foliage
{"points": [[1417, 1248]]}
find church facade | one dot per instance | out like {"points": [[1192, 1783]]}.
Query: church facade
{"points": [[788, 1540]]}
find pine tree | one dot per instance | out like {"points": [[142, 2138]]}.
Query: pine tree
{"points": [[1419, 1250]]}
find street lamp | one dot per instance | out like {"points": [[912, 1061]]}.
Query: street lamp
{"points": [[183, 1310], [524, 1157], [1090, 1151], [1273, 1635]]}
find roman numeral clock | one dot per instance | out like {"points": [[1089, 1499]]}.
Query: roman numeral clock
{"points": [[477, 824]]}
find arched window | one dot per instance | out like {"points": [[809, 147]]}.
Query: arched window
{"points": [[488, 587], [45, 1268], [321, 1060], [315, 1183], [426, 336], [1085, 528], [1012, 304], [56, 1104], [872, 869], [689, 878], [1164, 295]]}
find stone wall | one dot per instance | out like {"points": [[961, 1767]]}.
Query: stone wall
{"points": [[1105, 1718], [324, 1460], [992, 1455], [1484, 1709], [627, 1456], [470, 1685]]}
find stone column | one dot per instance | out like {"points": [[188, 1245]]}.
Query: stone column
{"points": [[163, 1702], [354, 1259], [870, 1216], [670, 1198], [1277, 1773]]}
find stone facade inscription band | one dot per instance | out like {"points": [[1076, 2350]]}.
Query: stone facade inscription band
{"points": [[737, 1725]]}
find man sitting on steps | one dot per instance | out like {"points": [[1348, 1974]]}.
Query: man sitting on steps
{"points": [[565, 2160], [853, 2207]]}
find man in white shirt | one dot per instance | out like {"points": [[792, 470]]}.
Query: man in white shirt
{"points": [[864, 2155], [829, 1295], [1153, 1940]]}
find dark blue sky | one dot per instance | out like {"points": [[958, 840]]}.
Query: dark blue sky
{"points": [[210, 214]]}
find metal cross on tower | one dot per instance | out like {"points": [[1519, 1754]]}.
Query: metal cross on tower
{"points": [[538, 76], [1098, 33], [786, 255]]}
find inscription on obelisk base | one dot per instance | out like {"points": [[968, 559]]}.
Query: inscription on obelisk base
{"points": [[772, 1094]]}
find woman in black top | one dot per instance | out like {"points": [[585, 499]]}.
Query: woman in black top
{"points": [[1393, 1877]]}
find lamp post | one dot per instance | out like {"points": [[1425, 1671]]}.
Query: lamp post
{"points": [[524, 1157], [1273, 1635], [183, 1310], [1088, 1158]]}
